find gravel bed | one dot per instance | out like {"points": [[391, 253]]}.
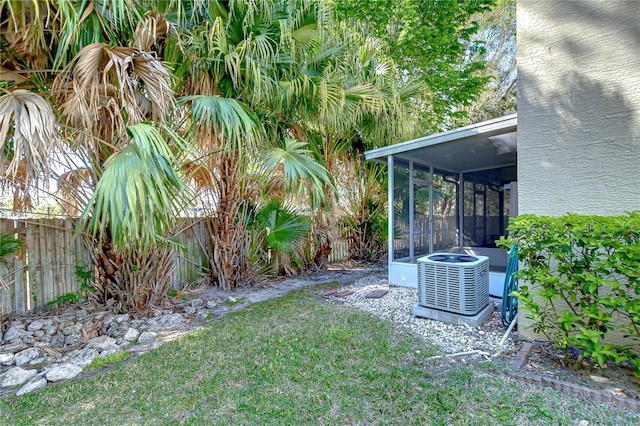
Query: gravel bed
{"points": [[452, 339]]}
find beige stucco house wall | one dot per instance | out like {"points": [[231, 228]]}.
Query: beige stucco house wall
{"points": [[578, 108]]}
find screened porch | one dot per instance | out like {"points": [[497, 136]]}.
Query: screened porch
{"points": [[451, 192]]}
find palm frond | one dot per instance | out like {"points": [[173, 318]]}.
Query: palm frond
{"points": [[285, 229], [140, 193], [301, 173], [234, 126], [104, 89], [72, 189], [27, 137]]}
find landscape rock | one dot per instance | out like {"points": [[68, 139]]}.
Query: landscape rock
{"points": [[196, 303], [24, 357], [121, 318], [73, 340], [82, 357], [6, 358], [57, 340], [35, 325], [63, 372], [13, 333], [131, 334], [189, 310], [211, 304], [102, 343], [170, 320], [111, 350], [202, 314], [32, 386], [13, 349], [17, 376], [147, 338], [72, 329]]}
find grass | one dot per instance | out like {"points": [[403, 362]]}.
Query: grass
{"points": [[100, 362], [299, 359]]}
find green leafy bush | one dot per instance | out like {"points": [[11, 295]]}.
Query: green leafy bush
{"points": [[582, 281], [9, 245]]}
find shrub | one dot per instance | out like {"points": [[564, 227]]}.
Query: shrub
{"points": [[582, 281]]}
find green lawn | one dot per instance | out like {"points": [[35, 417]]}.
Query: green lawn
{"points": [[299, 360]]}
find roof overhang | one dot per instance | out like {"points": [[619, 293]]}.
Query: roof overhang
{"points": [[489, 148]]}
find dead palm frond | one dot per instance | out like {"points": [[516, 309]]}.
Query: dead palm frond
{"points": [[26, 27], [27, 137], [112, 88], [151, 33], [71, 187]]}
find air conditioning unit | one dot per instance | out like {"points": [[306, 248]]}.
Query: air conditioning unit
{"points": [[453, 282]]}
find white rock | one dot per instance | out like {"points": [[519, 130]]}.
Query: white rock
{"points": [[170, 320], [35, 325], [211, 304], [147, 338], [131, 334], [202, 314], [27, 355], [63, 372], [112, 350], [17, 376], [6, 359], [82, 357], [32, 386], [101, 343], [196, 303], [13, 333], [122, 318]]}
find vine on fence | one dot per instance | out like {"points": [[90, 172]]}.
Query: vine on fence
{"points": [[581, 277]]}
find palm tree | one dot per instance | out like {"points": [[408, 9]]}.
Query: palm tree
{"points": [[68, 80], [246, 102]]}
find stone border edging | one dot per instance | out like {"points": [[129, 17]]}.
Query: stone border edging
{"points": [[574, 389]]}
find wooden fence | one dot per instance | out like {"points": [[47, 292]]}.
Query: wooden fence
{"points": [[45, 268]]}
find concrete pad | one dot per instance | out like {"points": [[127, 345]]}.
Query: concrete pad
{"points": [[452, 318], [344, 293]]}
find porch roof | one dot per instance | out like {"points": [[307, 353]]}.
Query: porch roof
{"points": [[487, 148]]}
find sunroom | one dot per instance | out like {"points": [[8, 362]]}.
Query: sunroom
{"points": [[451, 192]]}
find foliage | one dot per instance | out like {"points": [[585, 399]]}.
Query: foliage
{"points": [[428, 40], [84, 276], [582, 282], [135, 280], [9, 245], [283, 233], [148, 106], [497, 34], [366, 216], [139, 194]]}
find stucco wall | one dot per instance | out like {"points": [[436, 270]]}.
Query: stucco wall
{"points": [[578, 108]]}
